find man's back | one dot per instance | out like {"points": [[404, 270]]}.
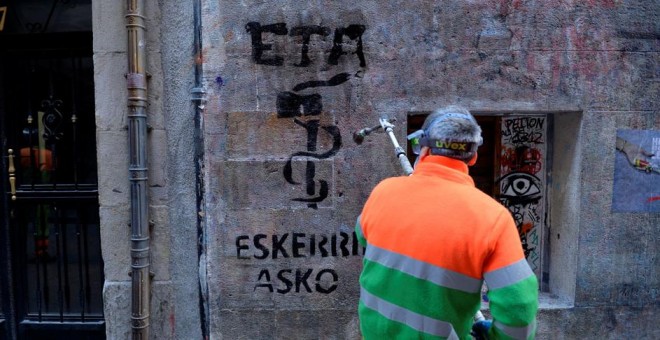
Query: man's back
{"points": [[431, 237]]}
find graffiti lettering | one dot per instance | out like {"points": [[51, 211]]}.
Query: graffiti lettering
{"points": [[258, 47], [522, 124], [256, 30], [300, 280], [306, 32], [296, 245], [524, 130], [353, 32]]}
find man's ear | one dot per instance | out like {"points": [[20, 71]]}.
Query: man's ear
{"points": [[473, 161], [423, 152]]}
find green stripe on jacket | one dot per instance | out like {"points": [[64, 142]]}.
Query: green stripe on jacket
{"points": [[434, 301], [382, 328], [514, 305]]}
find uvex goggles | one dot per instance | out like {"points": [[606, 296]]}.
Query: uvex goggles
{"points": [[418, 139]]}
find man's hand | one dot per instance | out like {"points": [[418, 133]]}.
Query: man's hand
{"points": [[480, 329]]}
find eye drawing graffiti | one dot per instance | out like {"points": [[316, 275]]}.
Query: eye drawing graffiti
{"points": [[521, 193], [521, 188]]}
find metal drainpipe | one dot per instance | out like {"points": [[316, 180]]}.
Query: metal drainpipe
{"points": [[199, 99], [137, 143]]}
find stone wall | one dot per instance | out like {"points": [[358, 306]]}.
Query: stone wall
{"points": [[288, 83]]}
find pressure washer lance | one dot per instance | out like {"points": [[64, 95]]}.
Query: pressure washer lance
{"points": [[387, 126]]}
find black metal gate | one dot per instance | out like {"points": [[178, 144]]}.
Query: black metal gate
{"points": [[51, 266]]}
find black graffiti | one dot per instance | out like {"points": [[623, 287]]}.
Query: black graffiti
{"points": [[520, 188], [521, 193], [258, 47], [353, 32], [306, 32], [524, 123], [291, 105], [334, 81], [524, 130], [312, 128], [296, 245], [299, 280], [527, 249]]}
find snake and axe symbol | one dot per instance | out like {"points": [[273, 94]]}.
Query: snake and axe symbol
{"points": [[293, 105]]}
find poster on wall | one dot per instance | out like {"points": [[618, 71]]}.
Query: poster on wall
{"points": [[637, 171]]}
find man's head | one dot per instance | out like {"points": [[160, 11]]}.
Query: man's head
{"points": [[451, 131]]}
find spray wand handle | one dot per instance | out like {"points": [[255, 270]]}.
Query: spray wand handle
{"points": [[400, 153]]}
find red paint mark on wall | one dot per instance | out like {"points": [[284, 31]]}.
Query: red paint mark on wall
{"points": [[527, 227], [172, 323], [522, 158], [653, 199], [603, 3]]}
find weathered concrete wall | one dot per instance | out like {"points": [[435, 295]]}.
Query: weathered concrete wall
{"points": [[282, 168], [291, 182]]}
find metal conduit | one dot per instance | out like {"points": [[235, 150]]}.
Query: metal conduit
{"points": [[199, 99], [137, 142]]}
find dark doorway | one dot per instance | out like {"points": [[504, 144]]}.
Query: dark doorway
{"points": [[52, 271]]}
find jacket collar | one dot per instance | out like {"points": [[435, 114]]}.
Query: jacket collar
{"points": [[444, 167]]}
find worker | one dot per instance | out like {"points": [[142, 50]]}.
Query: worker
{"points": [[432, 239]]}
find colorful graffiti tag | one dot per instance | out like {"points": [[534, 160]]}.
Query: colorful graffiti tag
{"points": [[522, 180]]}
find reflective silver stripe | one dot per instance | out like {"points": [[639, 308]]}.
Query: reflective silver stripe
{"points": [[508, 275], [422, 270], [517, 332], [358, 225], [407, 317]]}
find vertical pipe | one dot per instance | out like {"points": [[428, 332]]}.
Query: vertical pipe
{"points": [[137, 142], [199, 101]]}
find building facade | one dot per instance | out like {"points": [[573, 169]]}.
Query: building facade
{"points": [[187, 170]]}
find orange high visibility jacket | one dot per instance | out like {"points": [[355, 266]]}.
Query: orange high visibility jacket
{"points": [[431, 239]]}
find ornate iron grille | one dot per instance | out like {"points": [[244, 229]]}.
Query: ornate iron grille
{"points": [[49, 125]]}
